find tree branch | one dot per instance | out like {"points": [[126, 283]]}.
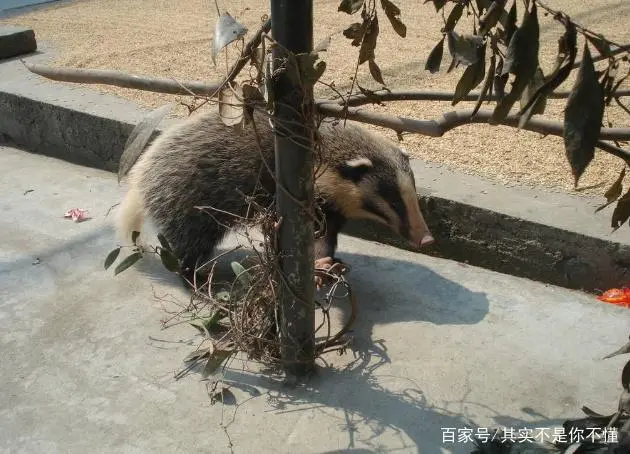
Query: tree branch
{"points": [[424, 95], [157, 85], [451, 120]]}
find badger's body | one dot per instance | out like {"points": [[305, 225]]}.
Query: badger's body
{"points": [[204, 163]]}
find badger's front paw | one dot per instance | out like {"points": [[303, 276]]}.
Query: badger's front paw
{"points": [[330, 265]]}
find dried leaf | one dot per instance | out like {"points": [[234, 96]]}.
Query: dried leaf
{"points": [[111, 257], [231, 105], [375, 71], [368, 45], [323, 45], [583, 116], [225, 396], [473, 76], [435, 58], [614, 191], [464, 48], [310, 72], [622, 212], [134, 236], [350, 6], [393, 14], [139, 137], [226, 31], [522, 61], [127, 262], [486, 85], [196, 355]]}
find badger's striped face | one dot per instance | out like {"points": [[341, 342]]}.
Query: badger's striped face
{"points": [[381, 188]]}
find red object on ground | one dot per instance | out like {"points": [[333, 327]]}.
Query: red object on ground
{"points": [[617, 296]]}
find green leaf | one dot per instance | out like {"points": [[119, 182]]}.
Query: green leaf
{"points": [[241, 274], [164, 243], [532, 89], [375, 71], [614, 191], [393, 14], [491, 19], [350, 6], [127, 262], [366, 53], [439, 4], [435, 57], [482, 5], [453, 18], [111, 257], [510, 24], [139, 137], [600, 43], [622, 212], [464, 48], [355, 32], [522, 61], [486, 85], [169, 261], [567, 51], [583, 116], [473, 76], [217, 358]]}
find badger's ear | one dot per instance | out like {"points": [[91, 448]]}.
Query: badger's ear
{"points": [[355, 169]]}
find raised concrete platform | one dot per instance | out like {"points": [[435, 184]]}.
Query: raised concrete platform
{"points": [[16, 41], [440, 346], [550, 237]]}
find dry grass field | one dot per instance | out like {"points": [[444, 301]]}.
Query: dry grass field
{"points": [[172, 39]]}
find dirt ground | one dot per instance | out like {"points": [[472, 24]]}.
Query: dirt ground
{"points": [[172, 39]]}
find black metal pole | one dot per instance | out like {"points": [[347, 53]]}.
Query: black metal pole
{"points": [[292, 29]]}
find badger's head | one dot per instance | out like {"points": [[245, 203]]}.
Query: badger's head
{"points": [[375, 181]]}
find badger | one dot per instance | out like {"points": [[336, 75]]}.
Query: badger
{"points": [[202, 162]]}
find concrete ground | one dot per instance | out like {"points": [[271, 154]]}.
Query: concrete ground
{"points": [[439, 345]]}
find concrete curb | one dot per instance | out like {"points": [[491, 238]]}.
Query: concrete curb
{"points": [[553, 238]]}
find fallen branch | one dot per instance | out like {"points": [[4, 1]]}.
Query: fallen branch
{"points": [[451, 120]]}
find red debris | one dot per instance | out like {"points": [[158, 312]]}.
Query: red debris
{"points": [[77, 214], [620, 297]]}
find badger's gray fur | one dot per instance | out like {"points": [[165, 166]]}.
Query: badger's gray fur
{"points": [[202, 162]]}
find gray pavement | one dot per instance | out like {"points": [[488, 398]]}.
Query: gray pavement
{"points": [[86, 367]]}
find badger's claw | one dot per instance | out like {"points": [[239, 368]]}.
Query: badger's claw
{"points": [[331, 265]]}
